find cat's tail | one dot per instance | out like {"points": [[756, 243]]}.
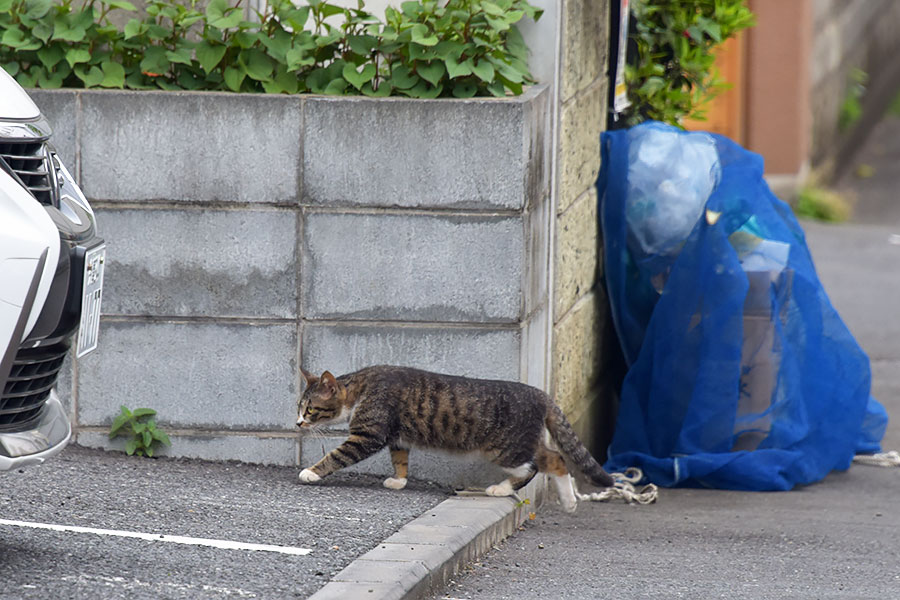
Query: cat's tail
{"points": [[564, 436]]}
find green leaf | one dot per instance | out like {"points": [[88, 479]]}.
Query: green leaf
{"points": [[277, 44], [296, 18], [484, 70], [63, 31], [272, 87], [448, 49], [497, 24], [138, 427], [5, 5], [26, 80], [42, 31], [13, 37], [51, 55], [497, 89], [464, 90], [259, 66], [149, 451], [419, 52], [181, 56], [246, 39], [135, 81], [403, 78], [222, 16], [384, 90], [457, 69], [117, 425], [130, 447], [492, 9], [362, 44], [155, 63], [330, 10], [423, 90], [113, 75], [431, 72], [318, 79], [147, 438], [297, 57], [134, 27], [36, 9], [209, 55], [514, 86], [411, 8], [157, 32], [336, 87], [357, 78], [419, 35], [120, 4], [652, 85], [77, 55], [287, 82], [695, 33], [234, 76], [162, 437]]}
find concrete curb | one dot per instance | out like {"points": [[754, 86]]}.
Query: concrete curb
{"points": [[425, 553]]}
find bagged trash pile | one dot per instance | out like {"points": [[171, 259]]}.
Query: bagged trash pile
{"points": [[741, 373]]}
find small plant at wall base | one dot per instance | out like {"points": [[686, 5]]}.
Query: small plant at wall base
{"points": [[426, 49], [670, 70], [851, 107], [140, 426]]}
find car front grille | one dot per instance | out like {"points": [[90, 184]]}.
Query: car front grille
{"points": [[33, 375], [30, 161]]}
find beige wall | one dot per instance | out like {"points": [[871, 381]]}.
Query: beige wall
{"points": [[579, 307]]}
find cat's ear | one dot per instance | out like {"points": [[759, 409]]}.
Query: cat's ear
{"points": [[329, 381], [309, 377]]}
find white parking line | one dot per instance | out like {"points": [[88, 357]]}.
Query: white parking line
{"points": [[155, 537]]}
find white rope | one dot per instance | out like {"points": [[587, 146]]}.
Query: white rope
{"points": [[879, 459], [624, 489]]}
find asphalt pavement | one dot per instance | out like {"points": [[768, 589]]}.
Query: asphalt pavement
{"points": [[835, 539], [316, 530]]}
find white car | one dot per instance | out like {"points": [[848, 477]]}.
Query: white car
{"points": [[51, 278]]}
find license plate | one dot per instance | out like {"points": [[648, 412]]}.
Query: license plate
{"points": [[92, 292]]}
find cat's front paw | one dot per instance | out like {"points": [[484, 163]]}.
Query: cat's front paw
{"points": [[395, 483], [501, 489], [308, 476]]}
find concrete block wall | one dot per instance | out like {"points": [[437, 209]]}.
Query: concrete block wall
{"points": [[580, 311], [850, 34], [250, 235]]}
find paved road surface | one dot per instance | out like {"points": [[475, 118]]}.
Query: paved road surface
{"points": [[221, 501]]}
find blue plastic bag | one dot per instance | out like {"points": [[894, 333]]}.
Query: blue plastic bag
{"points": [[741, 373]]}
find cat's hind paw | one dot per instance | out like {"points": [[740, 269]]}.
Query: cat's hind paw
{"points": [[395, 483], [308, 476], [501, 489], [568, 505]]}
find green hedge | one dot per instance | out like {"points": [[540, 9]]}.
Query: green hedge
{"points": [[425, 49], [671, 74]]}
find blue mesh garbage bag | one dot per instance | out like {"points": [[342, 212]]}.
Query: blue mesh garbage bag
{"points": [[741, 375]]}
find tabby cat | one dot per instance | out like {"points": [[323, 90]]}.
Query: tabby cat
{"points": [[510, 423]]}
